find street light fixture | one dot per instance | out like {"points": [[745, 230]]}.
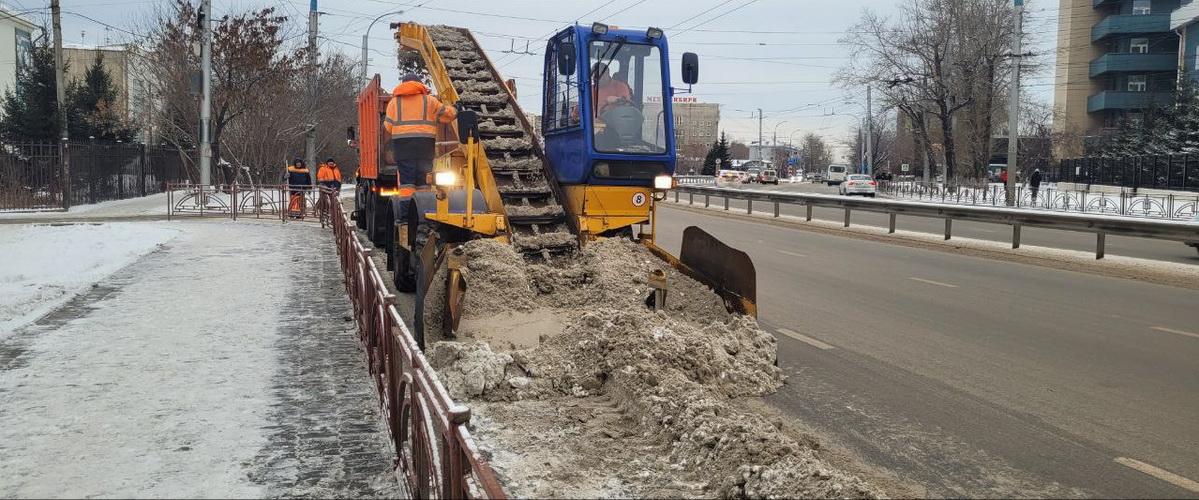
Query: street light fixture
{"points": [[366, 38]]}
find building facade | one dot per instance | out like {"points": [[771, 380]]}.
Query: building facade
{"points": [[694, 122], [114, 58], [1185, 22], [1116, 58], [16, 43]]}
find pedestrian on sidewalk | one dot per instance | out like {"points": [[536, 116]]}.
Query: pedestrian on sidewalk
{"points": [[298, 181], [1034, 183], [328, 174]]}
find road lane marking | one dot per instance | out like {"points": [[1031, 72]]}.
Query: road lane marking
{"points": [[793, 254], [805, 339], [931, 282], [1177, 332], [1164, 475]]}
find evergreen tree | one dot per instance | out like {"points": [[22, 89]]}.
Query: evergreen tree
{"points": [[31, 108], [710, 161], [93, 110], [722, 153], [1185, 121]]}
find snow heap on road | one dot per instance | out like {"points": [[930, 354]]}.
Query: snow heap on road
{"points": [[43, 266], [582, 391]]}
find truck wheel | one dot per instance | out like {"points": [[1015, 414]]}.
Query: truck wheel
{"points": [[360, 214]]}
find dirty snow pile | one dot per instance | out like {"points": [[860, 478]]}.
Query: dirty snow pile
{"points": [[43, 266], [593, 394]]}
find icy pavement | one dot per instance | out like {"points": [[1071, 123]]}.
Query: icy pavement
{"points": [[45, 265], [220, 365]]}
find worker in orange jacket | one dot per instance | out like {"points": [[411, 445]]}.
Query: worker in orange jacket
{"points": [[329, 174], [411, 121], [298, 181]]}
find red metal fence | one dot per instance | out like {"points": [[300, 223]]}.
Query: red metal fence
{"points": [[435, 452]]}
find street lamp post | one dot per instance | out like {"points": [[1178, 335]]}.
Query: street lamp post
{"points": [[366, 40]]}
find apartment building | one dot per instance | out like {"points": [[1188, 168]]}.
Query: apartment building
{"points": [[1115, 59]]}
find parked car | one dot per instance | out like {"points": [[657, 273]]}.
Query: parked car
{"points": [[768, 176], [751, 175], [858, 184], [836, 174]]}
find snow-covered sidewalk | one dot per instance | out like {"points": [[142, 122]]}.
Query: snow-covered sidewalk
{"points": [[222, 364], [144, 206]]}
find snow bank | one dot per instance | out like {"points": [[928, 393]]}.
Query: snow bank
{"points": [[43, 266], [155, 204]]}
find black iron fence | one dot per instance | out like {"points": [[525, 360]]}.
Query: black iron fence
{"points": [[32, 175], [1180, 172]]}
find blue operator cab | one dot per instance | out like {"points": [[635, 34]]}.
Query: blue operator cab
{"points": [[606, 114]]}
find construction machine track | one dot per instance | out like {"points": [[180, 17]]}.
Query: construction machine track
{"points": [[525, 181]]}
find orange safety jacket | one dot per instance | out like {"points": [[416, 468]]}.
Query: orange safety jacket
{"points": [[412, 112], [328, 172]]}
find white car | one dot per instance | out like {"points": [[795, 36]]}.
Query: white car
{"points": [[1194, 244], [858, 184]]}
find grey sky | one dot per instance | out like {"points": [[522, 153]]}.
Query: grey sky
{"points": [[788, 77]]}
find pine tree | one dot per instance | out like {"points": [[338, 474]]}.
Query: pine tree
{"points": [[31, 108], [93, 108], [1185, 122], [710, 161], [722, 153]]}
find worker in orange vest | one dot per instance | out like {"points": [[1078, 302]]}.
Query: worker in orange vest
{"points": [[329, 174], [411, 122], [298, 181]]}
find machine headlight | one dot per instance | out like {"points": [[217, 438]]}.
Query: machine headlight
{"points": [[653, 33], [444, 179], [663, 182], [600, 29]]}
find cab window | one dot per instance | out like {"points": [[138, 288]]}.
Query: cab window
{"points": [[627, 113], [562, 96]]}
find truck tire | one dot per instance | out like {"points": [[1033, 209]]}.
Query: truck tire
{"points": [[403, 274], [360, 213]]}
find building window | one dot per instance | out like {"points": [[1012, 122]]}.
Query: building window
{"points": [[1138, 83], [1141, 7], [1139, 46]]}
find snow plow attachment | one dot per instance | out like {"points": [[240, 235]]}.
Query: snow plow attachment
{"points": [[728, 271]]}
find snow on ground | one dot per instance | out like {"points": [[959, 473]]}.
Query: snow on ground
{"points": [[43, 266], [155, 204], [221, 365]]}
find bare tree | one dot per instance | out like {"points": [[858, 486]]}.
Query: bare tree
{"points": [[816, 153], [938, 59]]}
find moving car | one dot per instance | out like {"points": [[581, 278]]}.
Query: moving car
{"points": [[768, 176], [836, 174], [858, 184], [751, 175]]}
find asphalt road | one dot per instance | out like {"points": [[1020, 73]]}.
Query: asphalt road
{"points": [[975, 377], [1116, 245]]}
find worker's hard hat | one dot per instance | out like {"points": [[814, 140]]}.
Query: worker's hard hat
{"points": [[330, 160], [411, 77]]}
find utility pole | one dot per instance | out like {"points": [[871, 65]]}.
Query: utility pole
{"points": [[206, 100], [310, 134], [925, 147], [1013, 119], [760, 151], [60, 100], [869, 133]]}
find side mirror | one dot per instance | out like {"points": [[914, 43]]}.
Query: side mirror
{"points": [[350, 133], [566, 58], [690, 68], [468, 125]]}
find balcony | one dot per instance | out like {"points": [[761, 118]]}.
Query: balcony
{"points": [[1139, 63], [1130, 24], [1114, 99]]}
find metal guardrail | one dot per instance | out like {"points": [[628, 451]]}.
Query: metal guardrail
{"points": [[435, 452], [1160, 206], [1101, 225]]}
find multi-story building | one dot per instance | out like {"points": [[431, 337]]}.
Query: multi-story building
{"points": [[1115, 59], [694, 122], [114, 58], [15, 46], [1185, 22]]}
